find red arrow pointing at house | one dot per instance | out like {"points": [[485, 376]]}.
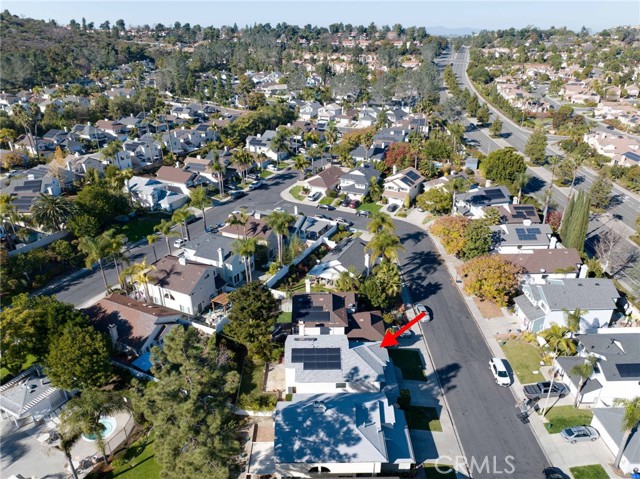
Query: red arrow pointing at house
{"points": [[391, 339]]}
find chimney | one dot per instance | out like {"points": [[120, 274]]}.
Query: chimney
{"points": [[220, 256], [177, 164], [526, 222], [367, 261], [582, 271], [295, 210], [553, 244], [395, 169], [307, 285], [319, 406], [182, 260], [113, 332], [301, 328], [199, 157]]}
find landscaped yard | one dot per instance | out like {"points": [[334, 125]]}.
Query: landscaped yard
{"points": [[252, 377], [372, 207], [562, 417], [285, 317], [410, 363], [138, 228], [265, 174], [296, 192], [424, 418], [5, 375], [326, 200], [439, 471], [524, 359], [596, 471], [138, 463]]}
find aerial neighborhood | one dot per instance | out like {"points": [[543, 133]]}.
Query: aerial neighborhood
{"points": [[303, 252]]}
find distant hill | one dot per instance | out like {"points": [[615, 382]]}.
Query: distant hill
{"points": [[451, 32], [35, 52]]}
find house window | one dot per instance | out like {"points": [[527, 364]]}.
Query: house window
{"points": [[341, 385]]}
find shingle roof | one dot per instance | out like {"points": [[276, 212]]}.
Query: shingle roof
{"points": [[536, 261], [174, 175], [327, 309], [621, 353], [611, 420], [348, 252], [181, 278], [254, 228], [327, 178], [583, 293]]}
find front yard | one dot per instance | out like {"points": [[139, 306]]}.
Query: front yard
{"points": [[595, 471], [139, 228], [410, 363], [524, 359], [562, 417], [138, 462], [423, 418], [296, 192], [371, 207]]}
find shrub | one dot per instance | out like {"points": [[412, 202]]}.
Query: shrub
{"points": [[491, 278], [258, 401]]}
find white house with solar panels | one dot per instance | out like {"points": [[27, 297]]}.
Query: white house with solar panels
{"points": [[513, 238], [403, 185], [473, 202]]}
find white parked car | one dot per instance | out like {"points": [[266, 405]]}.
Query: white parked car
{"points": [[179, 242], [500, 371], [421, 308]]}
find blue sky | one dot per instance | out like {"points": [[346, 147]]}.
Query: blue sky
{"points": [[475, 14]]}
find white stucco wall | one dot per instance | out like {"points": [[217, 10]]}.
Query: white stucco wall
{"points": [[302, 470]]}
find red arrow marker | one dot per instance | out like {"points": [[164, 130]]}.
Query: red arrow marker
{"points": [[391, 339]]}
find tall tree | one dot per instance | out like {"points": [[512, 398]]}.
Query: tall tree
{"points": [[219, 170], [600, 191], [51, 212], [152, 240], [165, 229], [573, 319], [496, 127], [557, 339], [181, 217], [384, 245], [95, 250], [139, 273], [114, 244], [630, 422], [69, 435], [477, 240], [200, 201], [503, 166], [584, 371], [252, 318], [483, 114], [279, 222], [300, 163], [536, 146], [575, 222], [380, 222], [491, 277], [195, 429], [245, 248]]}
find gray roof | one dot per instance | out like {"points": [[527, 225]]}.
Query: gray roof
{"points": [[516, 235], [30, 393], [349, 252], [611, 421], [362, 175], [584, 293], [207, 246], [341, 428], [495, 195], [530, 311], [620, 351], [364, 363]]}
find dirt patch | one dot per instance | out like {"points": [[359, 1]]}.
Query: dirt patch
{"points": [[488, 309], [265, 431]]}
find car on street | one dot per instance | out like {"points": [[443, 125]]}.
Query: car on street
{"points": [[343, 222], [500, 371], [553, 473], [256, 185], [353, 204], [579, 434], [237, 194], [314, 197], [393, 208], [179, 242], [541, 390], [326, 207], [421, 308], [322, 217], [364, 213], [345, 202], [279, 209]]}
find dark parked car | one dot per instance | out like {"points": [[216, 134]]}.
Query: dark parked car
{"points": [[237, 194], [326, 207], [345, 202], [540, 390], [364, 213], [553, 473], [393, 208], [314, 197], [353, 204]]}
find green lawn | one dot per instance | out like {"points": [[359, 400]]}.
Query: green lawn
{"points": [[372, 207], [326, 200], [138, 463], [138, 228], [439, 471], [265, 174], [251, 378], [424, 418], [562, 417], [285, 317], [409, 362], [296, 193], [596, 471], [524, 359], [5, 375]]}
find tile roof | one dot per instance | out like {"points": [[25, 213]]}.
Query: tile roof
{"points": [[327, 178], [326, 309]]}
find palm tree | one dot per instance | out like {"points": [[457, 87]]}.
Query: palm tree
{"points": [[69, 435], [114, 244], [139, 273], [7, 137], [94, 249], [246, 248], [279, 222], [9, 213], [165, 229], [84, 413], [573, 319], [280, 143], [240, 219], [630, 423], [300, 163], [384, 245], [381, 222], [348, 280], [314, 152], [331, 133], [391, 275], [219, 169], [558, 340], [152, 240], [584, 370], [457, 132], [346, 160], [241, 160], [200, 201], [111, 150], [522, 180], [51, 212], [180, 217]]}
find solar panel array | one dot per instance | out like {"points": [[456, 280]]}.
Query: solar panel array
{"points": [[315, 314], [528, 234], [493, 194], [317, 359], [628, 370]]}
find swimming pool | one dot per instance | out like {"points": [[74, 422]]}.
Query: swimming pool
{"points": [[109, 424]]}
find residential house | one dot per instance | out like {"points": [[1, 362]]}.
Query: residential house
{"points": [[512, 238], [473, 202], [218, 251], [327, 179], [254, 228], [578, 92], [141, 152], [261, 144], [402, 187], [616, 373], [90, 133], [608, 422], [308, 228], [329, 112], [309, 110], [614, 146], [539, 265], [25, 191], [113, 128], [153, 194], [133, 326], [519, 214], [80, 165], [181, 284], [368, 155], [387, 136], [176, 177], [542, 305], [335, 313], [347, 256], [341, 434], [356, 183]]}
